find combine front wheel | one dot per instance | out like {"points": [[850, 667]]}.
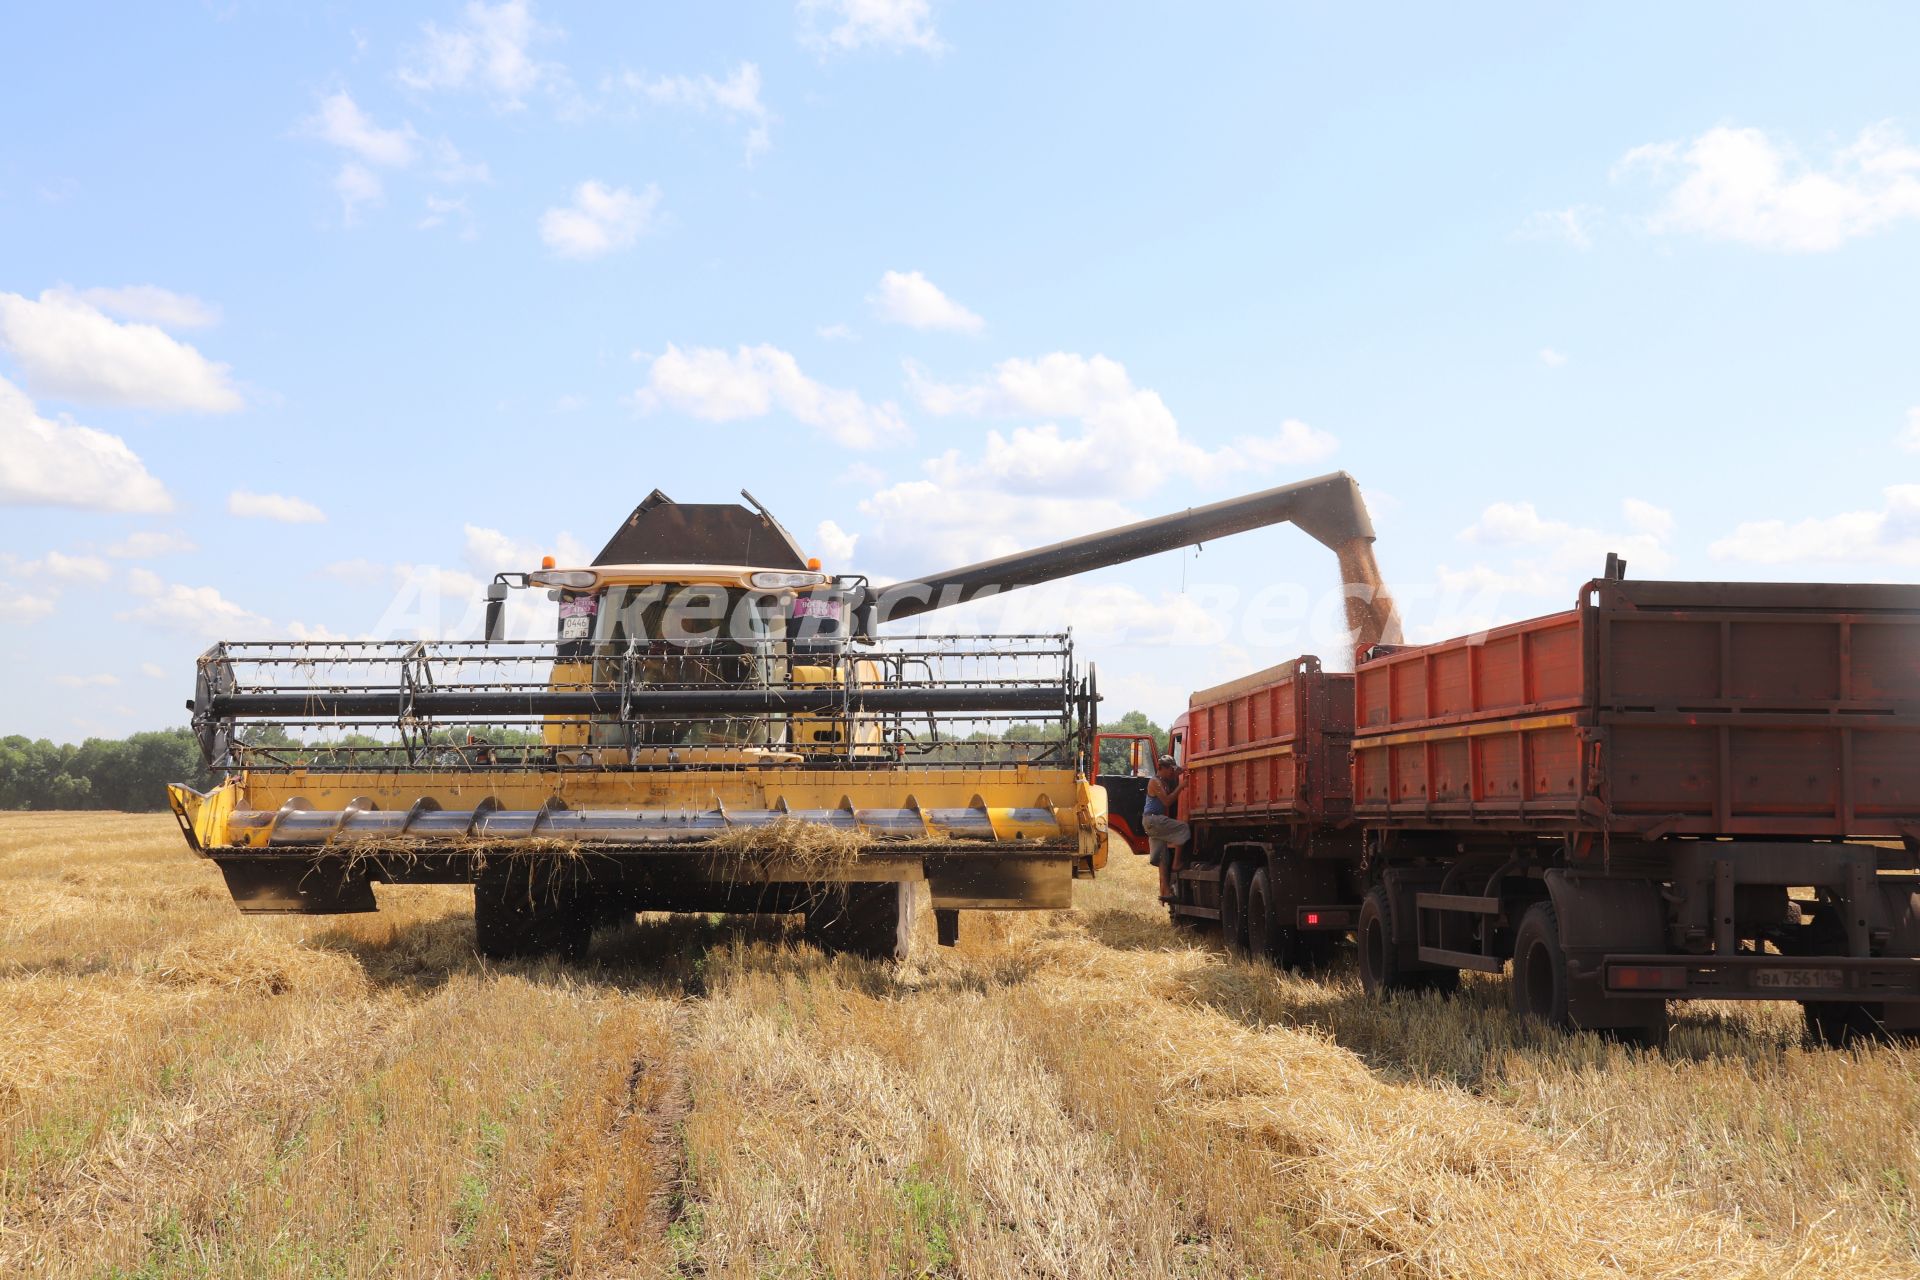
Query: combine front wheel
{"points": [[871, 920], [514, 918]]}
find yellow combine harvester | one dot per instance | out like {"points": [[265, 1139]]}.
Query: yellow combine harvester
{"points": [[717, 726]]}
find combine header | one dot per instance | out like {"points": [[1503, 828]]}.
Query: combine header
{"points": [[717, 726]]}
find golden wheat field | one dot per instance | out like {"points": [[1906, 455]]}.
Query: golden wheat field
{"points": [[184, 1092]]}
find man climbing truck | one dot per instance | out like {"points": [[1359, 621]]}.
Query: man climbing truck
{"points": [[718, 726], [1672, 790]]}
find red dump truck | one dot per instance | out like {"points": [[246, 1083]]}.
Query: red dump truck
{"points": [[1673, 790]]}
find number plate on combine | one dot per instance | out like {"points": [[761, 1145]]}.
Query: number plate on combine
{"points": [[1798, 978]]}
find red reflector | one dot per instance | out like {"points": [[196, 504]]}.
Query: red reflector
{"points": [[1313, 917], [1646, 977]]}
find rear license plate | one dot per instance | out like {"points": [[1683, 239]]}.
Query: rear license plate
{"points": [[1798, 979]]}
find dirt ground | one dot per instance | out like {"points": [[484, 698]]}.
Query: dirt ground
{"points": [[184, 1092]]}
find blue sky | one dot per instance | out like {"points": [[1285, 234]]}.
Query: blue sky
{"points": [[312, 317]]}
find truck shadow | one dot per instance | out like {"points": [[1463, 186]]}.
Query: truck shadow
{"points": [[1471, 1038]]}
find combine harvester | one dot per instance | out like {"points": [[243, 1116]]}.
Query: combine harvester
{"points": [[1673, 790], [717, 727]]}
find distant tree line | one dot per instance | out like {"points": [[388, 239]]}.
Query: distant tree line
{"points": [[101, 773]]}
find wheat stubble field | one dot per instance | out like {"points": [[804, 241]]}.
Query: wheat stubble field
{"points": [[184, 1092]]}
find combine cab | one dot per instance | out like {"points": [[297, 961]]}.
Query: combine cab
{"points": [[715, 727]]}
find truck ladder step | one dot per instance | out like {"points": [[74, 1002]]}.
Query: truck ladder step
{"points": [[1462, 959], [1470, 902]]}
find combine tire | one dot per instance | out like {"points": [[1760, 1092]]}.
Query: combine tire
{"points": [[1233, 909], [870, 920], [1381, 970], [513, 920]]}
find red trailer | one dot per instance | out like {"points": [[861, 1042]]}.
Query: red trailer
{"points": [[1269, 795], [1673, 790]]}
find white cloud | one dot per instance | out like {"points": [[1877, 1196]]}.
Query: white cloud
{"points": [[909, 298], [62, 464], [1890, 535], [147, 544], [1551, 358], [489, 49], [752, 382], [1572, 225], [925, 526], [836, 544], [1740, 185], [342, 123], [199, 611], [1550, 557], [489, 551], [358, 188], [67, 570], [600, 220], [1129, 442], [154, 305], [882, 24], [1910, 438], [98, 680], [68, 348], [835, 333], [736, 96], [274, 506], [17, 606], [445, 210]]}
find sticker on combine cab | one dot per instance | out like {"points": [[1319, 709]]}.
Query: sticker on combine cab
{"points": [[817, 607], [576, 616]]}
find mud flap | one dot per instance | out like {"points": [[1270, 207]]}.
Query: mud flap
{"points": [[1599, 917]]}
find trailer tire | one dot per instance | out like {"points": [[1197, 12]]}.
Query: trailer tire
{"points": [[1381, 969], [1841, 1024], [1233, 909]]}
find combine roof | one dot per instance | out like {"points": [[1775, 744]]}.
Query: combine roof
{"points": [[662, 531]]}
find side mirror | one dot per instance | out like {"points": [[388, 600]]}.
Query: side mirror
{"points": [[496, 611]]}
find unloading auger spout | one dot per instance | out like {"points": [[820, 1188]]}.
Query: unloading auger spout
{"points": [[1328, 508]]}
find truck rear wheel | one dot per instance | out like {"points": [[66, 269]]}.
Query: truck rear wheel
{"points": [[515, 918], [1260, 933], [870, 920], [1541, 986], [1233, 909], [1381, 968]]}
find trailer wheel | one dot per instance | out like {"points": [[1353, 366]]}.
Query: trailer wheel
{"points": [[514, 919], [870, 920], [1381, 970], [1233, 909], [1541, 985], [1839, 1024]]}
